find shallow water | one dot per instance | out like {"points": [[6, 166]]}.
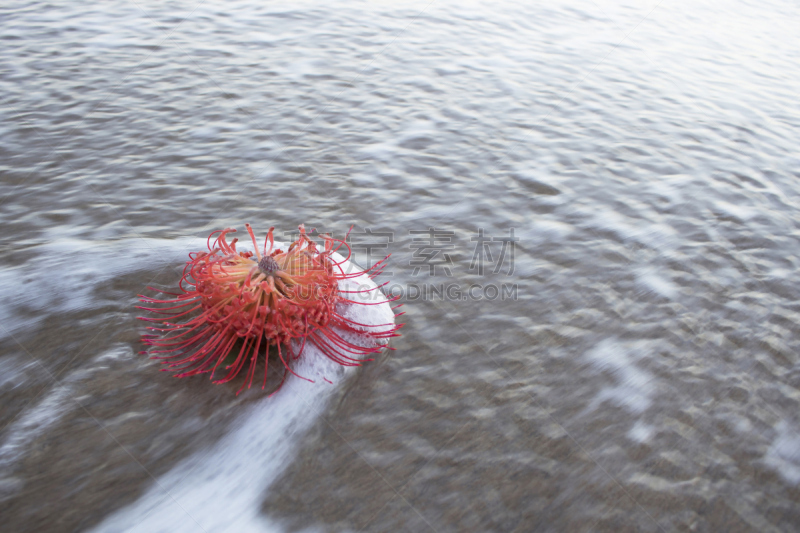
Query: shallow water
{"points": [[640, 371]]}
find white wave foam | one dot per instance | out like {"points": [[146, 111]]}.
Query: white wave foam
{"points": [[59, 400], [634, 386], [64, 274], [650, 280], [34, 422], [640, 432], [783, 454]]}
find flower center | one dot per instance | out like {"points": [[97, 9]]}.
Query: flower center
{"points": [[268, 265]]}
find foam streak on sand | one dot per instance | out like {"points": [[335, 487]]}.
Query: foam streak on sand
{"points": [[222, 489], [29, 293], [37, 419]]}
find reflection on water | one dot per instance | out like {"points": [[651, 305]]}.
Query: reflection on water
{"points": [[642, 373]]}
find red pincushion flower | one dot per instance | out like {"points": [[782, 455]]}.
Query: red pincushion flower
{"points": [[270, 299]]}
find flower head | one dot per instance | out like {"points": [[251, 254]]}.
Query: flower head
{"points": [[232, 303]]}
